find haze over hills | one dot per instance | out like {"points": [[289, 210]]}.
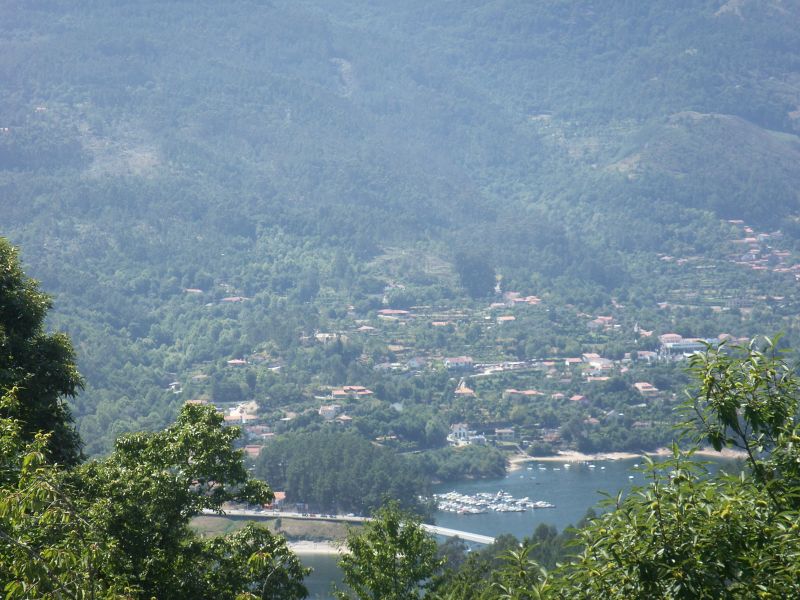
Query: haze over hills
{"points": [[311, 156]]}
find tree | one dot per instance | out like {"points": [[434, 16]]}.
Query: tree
{"points": [[40, 366], [255, 560], [520, 578], [479, 578], [144, 495], [48, 549], [476, 274], [690, 535], [453, 553], [339, 472], [392, 559], [119, 527], [116, 527]]}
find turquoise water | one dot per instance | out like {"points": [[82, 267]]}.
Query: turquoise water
{"points": [[324, 575], [572, 489]]}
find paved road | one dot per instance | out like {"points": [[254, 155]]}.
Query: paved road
{"points": [[272, 514], [283, 514], [464, 535]]}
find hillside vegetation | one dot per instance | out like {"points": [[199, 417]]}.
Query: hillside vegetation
{"points": [[311, 157]]}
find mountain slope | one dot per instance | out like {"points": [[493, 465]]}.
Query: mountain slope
{"points": [[272, 149]]}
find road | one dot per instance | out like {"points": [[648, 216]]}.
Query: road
{"points": [[272, 514], [464, 535]]}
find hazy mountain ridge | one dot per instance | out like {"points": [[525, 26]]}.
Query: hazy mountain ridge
{"points": [[725, 153]]}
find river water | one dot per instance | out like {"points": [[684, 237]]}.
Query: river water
{"points": [[573, 489]]}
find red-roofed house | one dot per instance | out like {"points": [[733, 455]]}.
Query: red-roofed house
{"points": [[277, 501], [645, 388], [351, 391], [252, 451], [670, 338]]}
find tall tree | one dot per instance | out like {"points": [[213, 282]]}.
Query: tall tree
{"points": [[48, 549], [39, 365], [392, 559], [119, 527], [476, 274]]}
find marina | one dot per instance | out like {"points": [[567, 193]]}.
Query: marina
{"points": [[483, 502], [571, 487]]}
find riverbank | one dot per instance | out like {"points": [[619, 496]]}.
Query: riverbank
{"points": [[305, 548], [311, 536], [517, 461]]}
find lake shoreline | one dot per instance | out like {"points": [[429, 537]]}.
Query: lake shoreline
{"points": [[517, 461], [307, 548]]}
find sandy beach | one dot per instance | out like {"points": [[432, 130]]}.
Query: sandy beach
{"points": [[732, 453], [517, 461], [307, 547]]}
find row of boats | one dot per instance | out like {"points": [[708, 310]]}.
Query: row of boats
{"points": [[483, 502], [567, 467]]}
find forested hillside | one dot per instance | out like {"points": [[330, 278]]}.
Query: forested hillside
{"points": [[198, 183]]}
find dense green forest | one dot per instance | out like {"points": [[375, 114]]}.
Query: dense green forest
{"points": [[342, 472], [223, 198], [116, 527]]}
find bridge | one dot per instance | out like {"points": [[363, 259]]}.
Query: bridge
{"points": [[464, 535], [242, 513]]}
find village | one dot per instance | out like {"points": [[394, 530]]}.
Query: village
{"points": [[498, 381]]}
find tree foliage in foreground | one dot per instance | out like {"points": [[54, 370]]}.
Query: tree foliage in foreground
{"points": [[119, 527], [47, 548], [116, 527], [393, 558], [39, 365], [688, 534]]}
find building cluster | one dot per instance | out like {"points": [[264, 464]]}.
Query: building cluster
{"points": [[759, 251], [569, 379]]}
